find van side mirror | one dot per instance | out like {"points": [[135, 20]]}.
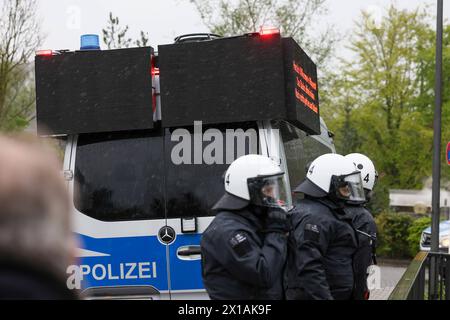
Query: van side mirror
{"points": [[68, 175]]}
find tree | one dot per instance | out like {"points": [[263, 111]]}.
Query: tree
{"points": [[425, 100], [339, 92], [296, 18], [115, 36], [384, 85], [19, 38]]}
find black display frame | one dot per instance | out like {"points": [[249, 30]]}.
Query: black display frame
{"points": [[238, 79], [94, 91]]}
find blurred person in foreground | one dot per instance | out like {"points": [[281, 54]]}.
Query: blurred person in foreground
{"points": [[36, 243]]}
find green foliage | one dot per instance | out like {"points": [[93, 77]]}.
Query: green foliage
{"points": [[393, 232], [425, 100], [380, 199], [399, 235], [415, 233], [381, 102]]}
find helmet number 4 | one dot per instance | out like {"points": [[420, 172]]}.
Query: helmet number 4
{"points": [[367, 178], [228, 180]]}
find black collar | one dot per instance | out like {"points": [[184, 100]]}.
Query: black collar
{"points": [[38, 274], [338, 210]]}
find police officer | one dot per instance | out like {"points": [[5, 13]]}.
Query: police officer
{"points": [[244, 249], [323, 240], [365, 226]]}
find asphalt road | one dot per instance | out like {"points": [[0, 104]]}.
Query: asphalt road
{"points": [[385, 284]]}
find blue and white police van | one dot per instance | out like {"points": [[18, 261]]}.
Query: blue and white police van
{"points": [[148, 137]]}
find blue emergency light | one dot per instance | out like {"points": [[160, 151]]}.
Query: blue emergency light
{"points": [[90, 42]]}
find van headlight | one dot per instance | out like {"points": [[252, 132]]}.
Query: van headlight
{"points": [[444, 242]]}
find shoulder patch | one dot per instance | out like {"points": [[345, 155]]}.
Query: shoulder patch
{"points": [[240, 244], [312, 232]]}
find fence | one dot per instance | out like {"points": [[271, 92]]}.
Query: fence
{"points": [[415, 283]]}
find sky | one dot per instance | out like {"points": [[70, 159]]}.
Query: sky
{"points": [[63, 21]]}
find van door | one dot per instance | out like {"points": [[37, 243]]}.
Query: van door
{"points": [[195, 164], [119, 209]]}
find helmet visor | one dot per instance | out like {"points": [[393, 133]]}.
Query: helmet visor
{"points": [[350, 188], [270, 192]]}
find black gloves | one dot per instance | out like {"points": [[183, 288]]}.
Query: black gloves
{"points": [[278, 221]]}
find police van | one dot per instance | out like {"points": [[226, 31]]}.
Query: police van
{"points": [[149, 137]]}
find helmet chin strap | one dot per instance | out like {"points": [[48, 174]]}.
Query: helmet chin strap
{"points": [[340, 203], [333, 197], [336, 200]]}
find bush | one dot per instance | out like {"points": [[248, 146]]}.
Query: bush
{"points": [[399, 234], [393, 235], [415, 233]]}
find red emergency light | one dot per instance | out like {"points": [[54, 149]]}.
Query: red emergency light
{"points": [[155, 72], [44, 53], [154, 68], [269, 31]]}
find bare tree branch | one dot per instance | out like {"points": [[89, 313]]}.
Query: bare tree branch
{"points": [[295, 18], [19, 39], [116, 37]]}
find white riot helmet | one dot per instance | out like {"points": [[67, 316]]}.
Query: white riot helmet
{"points": [[334, 176], [257, 180], [363, 164]]}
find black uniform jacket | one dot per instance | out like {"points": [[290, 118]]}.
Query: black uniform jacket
{"points": [[365, 256], [321, 249], [240, 261]]}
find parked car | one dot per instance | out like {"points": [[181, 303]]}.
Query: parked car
{"points": [[444, 237]]}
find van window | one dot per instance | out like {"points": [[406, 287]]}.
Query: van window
{"points": [[120, 176], [196, 183], [300, 149]]}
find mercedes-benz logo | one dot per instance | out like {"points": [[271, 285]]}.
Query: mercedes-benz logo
{"points": [[167, 235]]}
